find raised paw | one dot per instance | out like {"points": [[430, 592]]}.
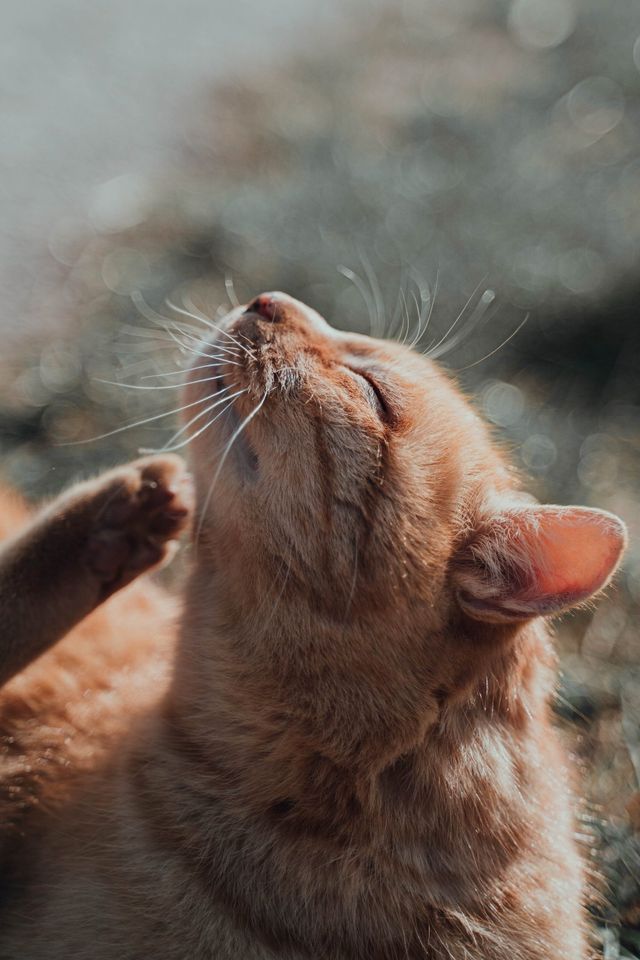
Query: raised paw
{"points": [[140, 511]]}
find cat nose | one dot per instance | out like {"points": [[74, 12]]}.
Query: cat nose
{"points": [[267, 306]]}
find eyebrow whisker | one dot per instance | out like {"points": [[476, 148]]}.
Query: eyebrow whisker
{"points": [[362, 290], [442, 339], [376, 293], [479, 311], [231, 290], [499, 347]]}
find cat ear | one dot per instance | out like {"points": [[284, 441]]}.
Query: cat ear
{"points": [[529, 561]]}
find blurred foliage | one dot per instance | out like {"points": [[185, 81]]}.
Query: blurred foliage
{"points": [[437, 150]]}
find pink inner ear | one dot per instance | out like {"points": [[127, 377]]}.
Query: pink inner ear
{"points": [[537, 560], [574, 552]]}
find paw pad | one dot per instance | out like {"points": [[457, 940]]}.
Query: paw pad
{"points": [[141, 509]]}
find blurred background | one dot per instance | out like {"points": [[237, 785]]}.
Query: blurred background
{"points": [[477, 160]]}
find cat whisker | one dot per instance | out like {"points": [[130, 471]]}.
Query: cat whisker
{"points": [[147, 311], [424, 310], [433, 299], [181, 372], [170, 386], [148, 345], [137, 423], [200, 342], [212, 325], [171, 445], [418, 332], [147, 333], [376, 294], [499, 347], [231, 290], [405, 318], [480, 310], [203, 353], [225, 453], [164, 322], [219, 347], [196, 316], [397, 310], [457, 320], [362, 290]]}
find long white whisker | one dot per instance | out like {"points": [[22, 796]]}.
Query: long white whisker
{"points": [[200, 413], [406, 321], [417, 334], [362, 290], [147, 311], [460, 315], [234, 436], [202, 353], [182, 371], [423, 309], [214, 326], [433, 299], [397, 310], [376, 293], [200, 343], [170, 386], [231, 290], [487, 298], [148, 333], [171, 444], [146, 346], [186, 313], [163, 321], [137, 423], [499, 347], [217, 346], [209, 323], [209, 423]]}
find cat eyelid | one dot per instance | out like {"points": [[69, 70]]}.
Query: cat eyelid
{"points": [[373, 391]]}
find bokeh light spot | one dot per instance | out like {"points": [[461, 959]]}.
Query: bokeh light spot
{"points": [[542, 23], [596, 105]]}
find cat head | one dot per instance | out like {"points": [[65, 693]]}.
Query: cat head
{"points": [[358, 465], [347, 488]]}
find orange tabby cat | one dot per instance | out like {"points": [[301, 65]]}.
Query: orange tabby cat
{"points": [[350, 754]]}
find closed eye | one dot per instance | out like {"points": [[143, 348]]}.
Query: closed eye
{"points": [[372, 392]]}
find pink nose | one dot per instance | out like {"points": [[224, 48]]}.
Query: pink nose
{"points": [[267, 307]]}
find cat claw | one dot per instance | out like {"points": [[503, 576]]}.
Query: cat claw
{"points": [[142, 509]]}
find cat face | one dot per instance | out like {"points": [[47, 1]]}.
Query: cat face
{"points": [[349, 475], [353, 468]]}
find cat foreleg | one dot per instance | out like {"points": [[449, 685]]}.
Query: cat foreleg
{"points": [[83, 547]]}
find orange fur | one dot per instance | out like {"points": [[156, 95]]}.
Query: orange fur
{"points": [[340, 761]]}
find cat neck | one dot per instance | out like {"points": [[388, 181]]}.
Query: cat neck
{"points": [[313, 721], [345, 845]]}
